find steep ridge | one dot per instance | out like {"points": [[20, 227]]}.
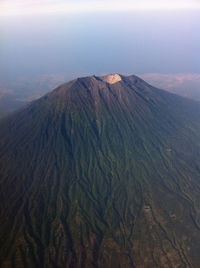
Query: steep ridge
{"points": [[101, 172]]}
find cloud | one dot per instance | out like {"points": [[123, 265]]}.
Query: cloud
{"points": [[187, 85], [22, 7]]}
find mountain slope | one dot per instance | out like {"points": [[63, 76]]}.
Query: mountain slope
{"points": [[101, 172]]}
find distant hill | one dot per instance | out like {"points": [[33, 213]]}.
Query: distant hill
{"points": [[101, 172]]}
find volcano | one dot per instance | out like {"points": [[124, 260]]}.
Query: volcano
{"points": [[101, 172]]}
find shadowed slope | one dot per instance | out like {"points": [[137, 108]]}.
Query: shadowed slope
{"points": [[99, 174]]}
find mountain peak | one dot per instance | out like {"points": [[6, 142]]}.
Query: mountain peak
{"points": [[112, 78], [93, 175]]}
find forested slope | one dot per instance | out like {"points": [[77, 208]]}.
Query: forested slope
{"points": [[100, 174]]}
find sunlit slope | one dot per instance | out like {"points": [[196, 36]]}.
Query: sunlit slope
{"points": [[101, 174]]}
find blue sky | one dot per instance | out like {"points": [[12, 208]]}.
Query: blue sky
{"points": [[157, 36]]}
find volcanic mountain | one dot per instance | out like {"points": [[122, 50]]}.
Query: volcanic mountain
{"points": [[101, 172]]}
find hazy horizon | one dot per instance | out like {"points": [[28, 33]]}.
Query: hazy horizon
{"points": [[80, 44]]}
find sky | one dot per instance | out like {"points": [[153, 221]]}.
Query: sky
{"points": [[83, 37], [24, 7]]}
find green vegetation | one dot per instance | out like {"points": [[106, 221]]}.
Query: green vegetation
{"points": [[101, 175]]}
